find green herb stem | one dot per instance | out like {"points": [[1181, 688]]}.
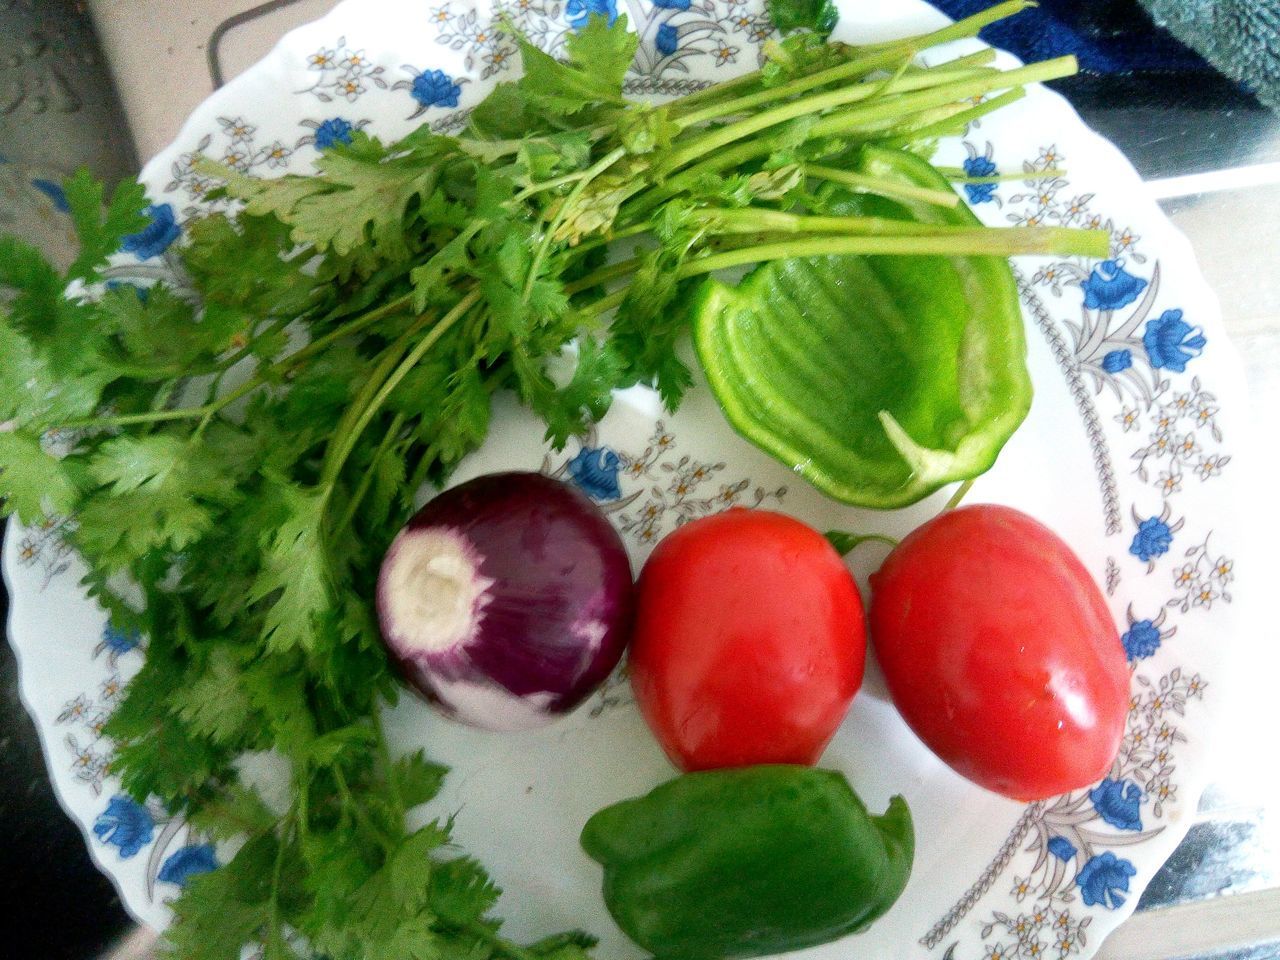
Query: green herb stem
{"points": [[901, 82], [864, 116], [946, 121], [958, 175], [606, 274], [349, 329], [979, 242], [970, 26], [754, 219], [562, 213], [885, 188], [366, 481], [849, 70], [890, 50], [344, 440], [959, 495]]}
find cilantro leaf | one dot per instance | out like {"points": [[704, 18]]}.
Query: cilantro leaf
{"points": [[227, 908], [603, 49], [820, 16], [35, 392], [237, 811], [358, 206], [34, 483], [295, 579], [418, 778], [101, 231], [214, 704], [599, 55]]}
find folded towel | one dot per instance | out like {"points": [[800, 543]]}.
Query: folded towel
{"points": [[1240, 37], [1116, 39], [1107, 36]]}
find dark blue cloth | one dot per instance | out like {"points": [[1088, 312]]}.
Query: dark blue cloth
{"points": [[1108, 36]]}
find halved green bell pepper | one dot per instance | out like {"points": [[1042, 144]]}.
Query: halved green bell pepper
{"points": [[879, 378]]}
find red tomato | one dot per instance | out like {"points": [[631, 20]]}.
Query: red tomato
{"points": [[1000, 652], [749, 641]]}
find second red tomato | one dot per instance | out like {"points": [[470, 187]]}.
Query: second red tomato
{"points": [[749, 642]]}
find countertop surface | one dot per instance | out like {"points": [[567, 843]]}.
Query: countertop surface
{"points": [[1211, 157]]}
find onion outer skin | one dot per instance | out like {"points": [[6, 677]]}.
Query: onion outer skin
{"points": [[553, 604]]}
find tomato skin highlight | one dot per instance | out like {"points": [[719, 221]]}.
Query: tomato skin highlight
{"points": [[1000, 652], [749, 642]]}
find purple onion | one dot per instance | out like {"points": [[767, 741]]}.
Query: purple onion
{"points": [[506, 600]]}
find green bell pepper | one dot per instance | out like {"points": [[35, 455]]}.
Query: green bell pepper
{"points": [[879, 379], [748, 862]]}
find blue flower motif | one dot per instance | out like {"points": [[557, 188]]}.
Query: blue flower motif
{"points": [[1142, 639], [667, 40], [1117, 361], [1117, 802], [979, 167], [1103, 879], [672, 4], [1110, 286], [155, 238], [1171, 341], [435, 88], [183, 864], [595, 471], [334, 130], [1061, 848], [119, 641], [54, 192], [126, 824], [1152, 539], [580, 11]]}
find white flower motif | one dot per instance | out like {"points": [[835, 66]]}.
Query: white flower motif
{"points": [[349, 88], [1128, 419], [725, 54], [355, 64], [274, 156], [499, 57], [111, 688], [1209, 466], [1222, 570], [1164, 420], [1186, 576], [1125, 239], [1187, 447], [1048, 157], [28, 551], [75, 710], [1205, 596], [1022, 888], [237, 157], [237, 128], [1169, 482], [322, 59]]}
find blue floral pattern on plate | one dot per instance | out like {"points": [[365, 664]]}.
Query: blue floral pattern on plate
{"points": [[156, 237], [124, 824], [187, 862]]}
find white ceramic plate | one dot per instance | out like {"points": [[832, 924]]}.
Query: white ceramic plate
{"points": [[1131, 452]]}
